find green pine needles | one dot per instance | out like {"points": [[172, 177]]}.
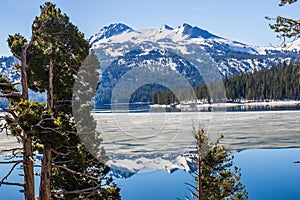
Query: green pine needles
{"points": [[216, 177]]}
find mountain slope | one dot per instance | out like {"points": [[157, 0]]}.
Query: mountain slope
{"points": [[7, 68], [230, 56], [147, 67], [121, 49], [109, 31]]}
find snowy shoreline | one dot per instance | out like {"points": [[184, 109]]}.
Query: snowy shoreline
{"points": [[186, 105]]}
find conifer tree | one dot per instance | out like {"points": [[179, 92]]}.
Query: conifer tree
{"points": [[216, 176], [51, 62], [18, 117]]}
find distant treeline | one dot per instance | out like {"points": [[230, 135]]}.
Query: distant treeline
{"points": [[281, 82]]}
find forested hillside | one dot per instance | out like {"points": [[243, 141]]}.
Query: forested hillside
{"points": [[280, 83]]}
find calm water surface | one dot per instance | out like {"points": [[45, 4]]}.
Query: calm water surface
{"points": [[266, 145], [268, 174]]}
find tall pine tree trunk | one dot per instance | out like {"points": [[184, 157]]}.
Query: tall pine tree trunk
{"points": [[50, 87], [28, 168], [45, 184], [27, 141], [200, 179]]}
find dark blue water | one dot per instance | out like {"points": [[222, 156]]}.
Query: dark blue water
{"points": [[155, 185], [8, 192], [268, 174]]}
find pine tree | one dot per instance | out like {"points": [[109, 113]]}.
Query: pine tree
{"points": [[50, 62], [216, 177], [17, 119]]}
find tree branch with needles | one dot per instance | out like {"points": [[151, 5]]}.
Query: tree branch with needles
{"points": [[77, 173]]}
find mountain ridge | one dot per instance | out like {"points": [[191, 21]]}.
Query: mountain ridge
{"points": [[130, 50], [119, 46], [230, 56], [109, 31]]}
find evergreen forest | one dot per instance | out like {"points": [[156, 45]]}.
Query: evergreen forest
{"points": [[277, 83]]}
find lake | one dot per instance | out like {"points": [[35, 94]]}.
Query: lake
{"points": [[268, 174], [147, 151], [168, 133]]}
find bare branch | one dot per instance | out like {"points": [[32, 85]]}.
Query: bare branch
{"points": [[77, 191], [60, 153], [73, 132], [58, 33], [13, 151], [12, 183], [10, 162], [12, 94], [10, 84], [10, 111], [47, 128], [64, 161], [10, 171], [77, 173]]}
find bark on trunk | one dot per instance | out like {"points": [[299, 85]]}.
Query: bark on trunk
{"points": [[200, 179], [27, 141], [24, 75], [45, 184], [28, 168], [50, 88]]}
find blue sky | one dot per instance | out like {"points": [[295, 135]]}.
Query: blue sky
{"points": [[240, 20]]}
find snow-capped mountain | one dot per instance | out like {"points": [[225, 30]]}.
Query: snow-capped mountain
{"points": [[109, 31], [230, 56], [7, 68], [182, 50], [158, 66], [166, 36], [179, 50], [195, 32]]}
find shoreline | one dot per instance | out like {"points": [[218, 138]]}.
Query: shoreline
{"points": [[245, 104]]}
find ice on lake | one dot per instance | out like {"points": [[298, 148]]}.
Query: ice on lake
{"points": [[171, 133]]}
